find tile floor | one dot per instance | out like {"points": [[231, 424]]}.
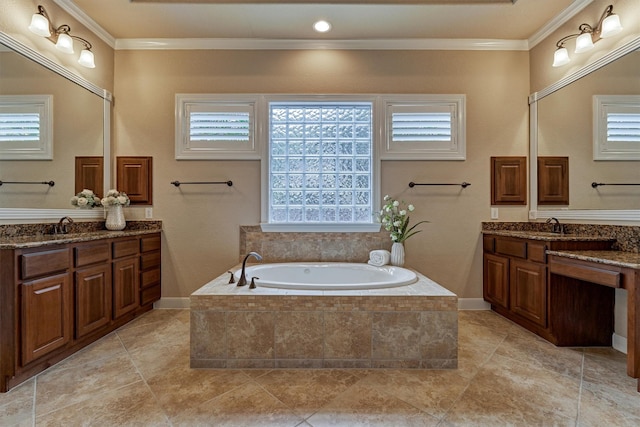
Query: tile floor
{"points": [[139, 375]]}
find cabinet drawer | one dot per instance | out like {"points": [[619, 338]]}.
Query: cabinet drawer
{"points": [[150, 277], [91, 253], [150, 295], [516, 248], [122, 248], [46, 262], [537, 252], [150, 243], [489, 243], [151, 260]]}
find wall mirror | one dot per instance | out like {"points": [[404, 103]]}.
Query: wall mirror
{"points": [[81, 123], [562, 125]]}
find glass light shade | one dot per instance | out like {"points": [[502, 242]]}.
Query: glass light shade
{"points": [[39, 25], [322, 26], [86, 59], [561, 57], [584, 43], [610, 26], [64, 43]]}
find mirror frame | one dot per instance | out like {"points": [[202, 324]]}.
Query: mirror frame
{"points": [[36, 214], [580, 214]]}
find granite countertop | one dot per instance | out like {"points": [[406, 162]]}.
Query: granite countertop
{"points": [[33, 241], [615, 258], [544, 235]]}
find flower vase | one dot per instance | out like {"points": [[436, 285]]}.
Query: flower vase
{"points": [[115, 218], [397, 254]]}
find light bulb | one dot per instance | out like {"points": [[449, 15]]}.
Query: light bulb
{"points": [[64, 43], [40, 25], [86, 59], [561, 57], [610, 26], [584, 43], [322, 26]]}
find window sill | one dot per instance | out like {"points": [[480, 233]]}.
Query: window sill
{"points": [[320, 228]]}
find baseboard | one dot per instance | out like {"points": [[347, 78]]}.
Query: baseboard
{"points": [[473, 304], [619, 343], [171, 302]]}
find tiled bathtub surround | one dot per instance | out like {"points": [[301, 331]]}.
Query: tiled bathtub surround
{"points": [[627, 237], [413, 326], [291, 247]]}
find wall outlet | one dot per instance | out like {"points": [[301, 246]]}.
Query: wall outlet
{"points": [[494, 213], [148, 212]]}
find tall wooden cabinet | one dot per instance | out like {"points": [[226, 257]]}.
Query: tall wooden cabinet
{"points": [[56, 299], [517, 284]]}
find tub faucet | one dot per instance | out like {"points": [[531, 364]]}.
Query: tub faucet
{"points": [[243, 278], [556, 227], [61, 227]]}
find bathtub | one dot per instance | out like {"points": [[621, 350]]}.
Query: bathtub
{"points": [[328, 276]]}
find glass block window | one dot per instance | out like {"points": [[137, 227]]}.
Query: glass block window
{"points": [[616, 121], [320, 162], [26, 127]]}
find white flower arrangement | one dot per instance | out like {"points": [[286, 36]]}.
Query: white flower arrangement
{"points": [[395, 219], [85, 199], [115, 198]]}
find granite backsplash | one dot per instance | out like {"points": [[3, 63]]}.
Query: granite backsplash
{"points": [[16, 230], [627, 237]]}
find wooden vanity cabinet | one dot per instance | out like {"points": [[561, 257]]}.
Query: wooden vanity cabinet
{"points": [[516, 284], [56, 299]]}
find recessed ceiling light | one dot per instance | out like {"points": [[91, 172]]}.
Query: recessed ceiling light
{"points": [[322, 26]]}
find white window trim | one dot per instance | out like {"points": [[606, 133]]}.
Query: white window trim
{"points": [[221, 150], [456, 149], [602, 105], [40, 150]]}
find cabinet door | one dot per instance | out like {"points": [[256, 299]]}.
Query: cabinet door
{"points": [[93, 299], [529, 291], [46, 316], [126, 286], [496, 280]]}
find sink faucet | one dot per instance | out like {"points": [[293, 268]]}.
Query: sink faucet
{"points": [[556, 227], [61, 227], [243, 278]]}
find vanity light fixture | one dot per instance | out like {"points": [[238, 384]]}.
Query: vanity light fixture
{"points": [[607, 26], [61, 36], [322, 26]]}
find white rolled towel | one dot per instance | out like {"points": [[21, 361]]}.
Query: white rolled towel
{"points": [[379, 257]]}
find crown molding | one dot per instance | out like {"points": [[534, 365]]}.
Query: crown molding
{"points": [[70, 7], [279, 44], [559, 20]]}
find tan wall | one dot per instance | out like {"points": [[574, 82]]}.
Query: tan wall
{"points": [[541, 56], [201, 223], [15, 18]]}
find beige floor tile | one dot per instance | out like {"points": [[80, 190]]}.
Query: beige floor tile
{"points": [[508, 392], [132, 405], [245, 406], [304, 390], [433, 392], [60, 387], [16, 406], [363, 405]]}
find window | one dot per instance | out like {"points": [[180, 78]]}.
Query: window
{"points": [[320, 162], [424, 127], [616, 127], [216, 127], [26, 127]]}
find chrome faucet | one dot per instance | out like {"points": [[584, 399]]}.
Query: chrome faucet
{"points": [[243, 278], [61, 227], [556, 227]]}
